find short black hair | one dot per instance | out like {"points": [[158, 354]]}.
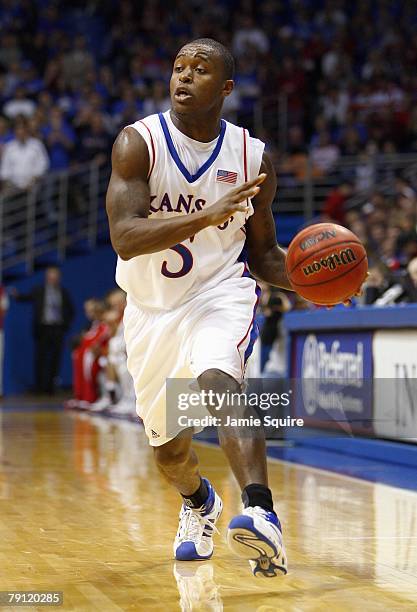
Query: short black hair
{"points": [[219, 49]]}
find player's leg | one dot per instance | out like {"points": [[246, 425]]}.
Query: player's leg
{"points": [[244, 447], [178, 463], [255, 534], [223, 334], [153, 344], [201, 507]]}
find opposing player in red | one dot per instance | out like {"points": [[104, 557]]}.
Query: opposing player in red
{"points": [[188, 192]]}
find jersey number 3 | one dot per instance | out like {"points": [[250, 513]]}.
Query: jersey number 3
{"points": [[187, 262]]}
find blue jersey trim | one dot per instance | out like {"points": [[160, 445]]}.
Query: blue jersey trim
{"points": [[191, 178]]}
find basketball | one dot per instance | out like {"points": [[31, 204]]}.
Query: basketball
{"points": [[326, 264]]}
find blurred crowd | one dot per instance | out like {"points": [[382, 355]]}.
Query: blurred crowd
{"points": [[101, 381], [387, 225], [73, 73]]}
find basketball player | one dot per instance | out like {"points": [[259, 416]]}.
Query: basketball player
{"points": [[187, 190]]}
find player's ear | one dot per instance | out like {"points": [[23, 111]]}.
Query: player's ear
{"points": [[228, 87]]}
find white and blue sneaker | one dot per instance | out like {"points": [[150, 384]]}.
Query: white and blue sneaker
{"points": [[194, 539], [256, 535]]}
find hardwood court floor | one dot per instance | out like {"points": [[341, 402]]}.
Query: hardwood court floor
{"points": [[83, 510]]}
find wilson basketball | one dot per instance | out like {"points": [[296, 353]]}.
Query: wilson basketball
{"points": [[326, 264]]}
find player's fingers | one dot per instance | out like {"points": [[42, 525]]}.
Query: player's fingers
{"points": [[256, 181], [244, 195], [241, 208], [346, 303]]}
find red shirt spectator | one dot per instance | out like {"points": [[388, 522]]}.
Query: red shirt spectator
{"points": [[334, 206]]}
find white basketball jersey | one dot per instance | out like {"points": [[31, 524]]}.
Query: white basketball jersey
{"points": [[186, 176]]}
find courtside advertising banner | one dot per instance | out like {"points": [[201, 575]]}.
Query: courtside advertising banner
{"points": [[332, 380], [395, 393]]}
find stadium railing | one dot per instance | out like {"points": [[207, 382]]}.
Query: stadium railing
{"points": [[65, 211], [367, 175]]}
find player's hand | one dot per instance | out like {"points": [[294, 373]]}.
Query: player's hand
{"points": [[348, 302], [358, 293], [234, 201]]}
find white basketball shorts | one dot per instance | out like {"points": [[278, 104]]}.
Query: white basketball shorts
{"points": [[214, 330]]}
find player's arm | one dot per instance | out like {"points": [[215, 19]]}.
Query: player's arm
{"points": [[132, 233], [265, 258]]}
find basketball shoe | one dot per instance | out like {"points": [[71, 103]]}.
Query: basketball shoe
{"points": [[256, 535], [194, 539]]}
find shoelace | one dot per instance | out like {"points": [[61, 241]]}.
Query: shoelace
{"points": [[193, 525], [257, 510]]}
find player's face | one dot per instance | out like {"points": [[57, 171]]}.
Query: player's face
{"points": [[197, 81]]}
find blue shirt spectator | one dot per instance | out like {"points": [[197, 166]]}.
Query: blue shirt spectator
{"points": [[60, 140]]}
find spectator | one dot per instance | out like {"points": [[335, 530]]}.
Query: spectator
{"points": [[89, 104], [60, 140], [24, 160], [137, 77], [117, 357], [247, 83], [20, 104], [95, 142], [334, 205], [350, 142], [45, 104], [272, 333], [31, 82], [109, 389], [410, 282], [10, 51], [249, 36], [335, 61], [128, 109], [6, 135], [376, 284], [402, 291], [159, 102], [365, 171], [118, 393], [295, 163], [53, 312], [324, 155], [76, 62], [291, 81], [358, 227], [334, 105]]}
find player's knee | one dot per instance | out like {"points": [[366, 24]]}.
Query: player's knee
{"points": [[168, 455], [217, 380]]}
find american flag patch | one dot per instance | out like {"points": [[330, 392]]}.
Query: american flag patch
{"points": [[224, 176]]}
